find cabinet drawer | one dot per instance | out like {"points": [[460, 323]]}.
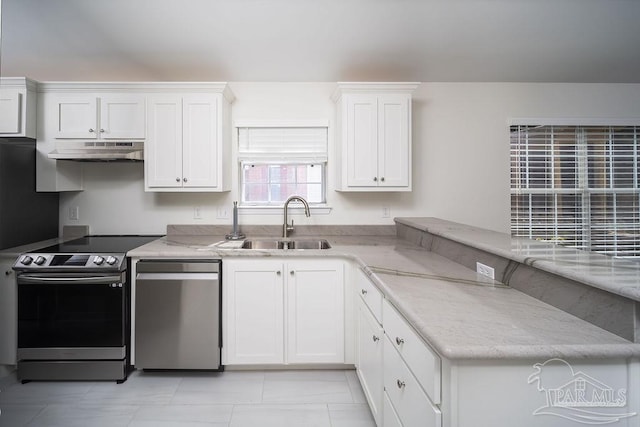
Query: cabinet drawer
{"points": [[411, 403], [422, 361], [371, 296], [390, 416]]}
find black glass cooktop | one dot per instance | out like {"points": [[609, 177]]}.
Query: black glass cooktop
{"points": [[100, 244]]}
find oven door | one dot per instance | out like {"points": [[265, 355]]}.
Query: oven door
{"points": [[71, 316]]}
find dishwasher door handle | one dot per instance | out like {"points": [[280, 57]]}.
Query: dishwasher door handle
{"points": [[177, 276]]}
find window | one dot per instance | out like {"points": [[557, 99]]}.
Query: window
{"points": [[577, 186], [276, 163]]}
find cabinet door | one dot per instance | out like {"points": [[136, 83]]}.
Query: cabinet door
{"points": [[369, 365], [163, 148], [8, 312], [315, 312], [362, 143], [10, 112], [201, 142], [254, 312], [122, 117], [394, 140], [77, 117]]}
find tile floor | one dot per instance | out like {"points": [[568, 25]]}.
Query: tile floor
{"points": [[232, 399]]}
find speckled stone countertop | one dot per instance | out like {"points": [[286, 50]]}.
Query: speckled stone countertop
{"points": [[618, 276], [460, 314]]}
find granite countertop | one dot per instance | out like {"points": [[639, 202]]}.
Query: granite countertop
{"points": [[618, 276], [460, 314]]}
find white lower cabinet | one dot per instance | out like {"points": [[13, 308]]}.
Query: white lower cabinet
{"points": [[281, 311], [369, 363], [315, 312], [390, 416], [405, 393], [253, 295]]}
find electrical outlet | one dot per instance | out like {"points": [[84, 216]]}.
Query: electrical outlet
{"points": [[386, 212], [197, 212], [485, 270], [222, 213], [74, 213]]}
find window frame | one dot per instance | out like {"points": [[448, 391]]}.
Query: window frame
{"points": [[268, 209], [583, 188]]}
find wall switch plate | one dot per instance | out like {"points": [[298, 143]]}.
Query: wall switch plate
{"points": [[485, 270], [197, 212], [74, 213], [222, 213], [386, 212]]}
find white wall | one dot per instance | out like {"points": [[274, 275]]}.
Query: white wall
{"points": [[460, 164]]}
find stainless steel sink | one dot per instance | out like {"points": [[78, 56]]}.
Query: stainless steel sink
{"points": [[309, 244], [286, 244]]}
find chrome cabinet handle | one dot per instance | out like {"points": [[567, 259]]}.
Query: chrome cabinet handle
{"points": [[102, 131], [375, 338], [363, 291], [399, 340], [400, 384], [375, 178], [91, 130], [278, 272], [177, 179], [291, 272], [382, 179]]}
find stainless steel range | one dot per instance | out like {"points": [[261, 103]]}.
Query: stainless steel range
{"points": [[74, 317]]}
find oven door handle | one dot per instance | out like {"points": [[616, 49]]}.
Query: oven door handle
{"points": [[97, 280]]}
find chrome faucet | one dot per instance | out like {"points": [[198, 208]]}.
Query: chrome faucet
{"points": [[286, 227]]}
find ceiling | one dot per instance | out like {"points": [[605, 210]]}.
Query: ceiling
{"points": [[323, 40]]}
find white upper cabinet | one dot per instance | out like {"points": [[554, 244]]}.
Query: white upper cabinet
{"points": [[113, 116], [18, 104], [188, 144], [374, 136]]}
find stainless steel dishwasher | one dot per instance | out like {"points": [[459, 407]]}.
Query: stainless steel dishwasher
{"points": [[177, 314]]}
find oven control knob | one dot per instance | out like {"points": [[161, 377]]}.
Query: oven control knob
{"points": [[98, 260], [26, 260], [111, 260], [40, 260]]}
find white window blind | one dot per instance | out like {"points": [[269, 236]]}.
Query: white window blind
{"points": [[288, 144], [578, 186]]}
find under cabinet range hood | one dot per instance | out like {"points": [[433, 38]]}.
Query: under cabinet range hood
{"points": [[98, 151]]}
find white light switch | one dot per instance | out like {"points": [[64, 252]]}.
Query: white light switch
{"points": [[197, 212], [74, 213]]}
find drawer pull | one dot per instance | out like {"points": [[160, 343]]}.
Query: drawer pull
{"points": [[363, 291], [376, 339], [399, 340], [400, 384]]}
